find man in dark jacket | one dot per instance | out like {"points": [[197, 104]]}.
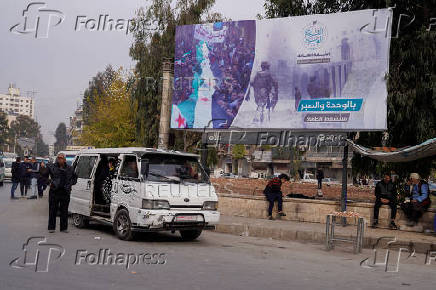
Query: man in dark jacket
{"points": [[59, 195], [385, 193], [25, 175], [44, 175], [16, 176], [273, 192], [319, 177]]}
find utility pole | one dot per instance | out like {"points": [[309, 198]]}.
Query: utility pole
{"points": [[344, 182], [165, 115]]}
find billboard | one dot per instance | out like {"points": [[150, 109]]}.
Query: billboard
{"points": [[308, 72]]}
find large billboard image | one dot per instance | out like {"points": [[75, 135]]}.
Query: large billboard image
{"points": [[307, 72]]}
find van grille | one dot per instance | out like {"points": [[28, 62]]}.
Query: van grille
{"points": [[176, 206]]}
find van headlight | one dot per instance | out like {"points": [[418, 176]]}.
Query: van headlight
{"points": [[155, 204], [210, 205]]}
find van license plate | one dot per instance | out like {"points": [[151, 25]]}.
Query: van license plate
{"points": [[189, 218]]}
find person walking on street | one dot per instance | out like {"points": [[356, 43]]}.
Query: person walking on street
{"points": [[385, 193], [34, 178], [319, 177], [61, 175], [43, 178], [273, 192], [25, 174], [16, 176]]}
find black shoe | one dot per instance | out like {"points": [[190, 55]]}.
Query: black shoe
{"points": [[281, 214], [374, 224], [32, 197], [270, 218], [51, 231], [393, 226], [65, 231]]}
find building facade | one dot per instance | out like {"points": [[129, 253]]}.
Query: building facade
{"points": [[14, 104], [75, 128], [263, 162]]}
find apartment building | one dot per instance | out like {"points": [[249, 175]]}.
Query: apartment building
{"points": [[14, 104]]}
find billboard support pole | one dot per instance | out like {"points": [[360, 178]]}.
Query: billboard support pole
{"points": [[344, 183]]}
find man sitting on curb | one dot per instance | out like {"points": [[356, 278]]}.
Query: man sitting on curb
{"points": [[419, 201], [273, 192], [385, 193]]}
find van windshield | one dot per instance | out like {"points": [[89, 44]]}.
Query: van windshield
{"points": [[171, 168]]}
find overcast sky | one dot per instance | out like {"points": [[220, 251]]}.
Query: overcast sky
{"points": [[60, 66]]}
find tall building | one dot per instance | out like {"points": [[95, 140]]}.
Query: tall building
{"points": [[13, 104], [74, 131]]}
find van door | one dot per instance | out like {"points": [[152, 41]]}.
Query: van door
{"points": [[81, 194], [127, 187]]}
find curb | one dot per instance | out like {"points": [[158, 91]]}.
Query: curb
{"points": [[247, 230]]}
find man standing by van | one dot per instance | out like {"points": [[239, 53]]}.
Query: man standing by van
{"points": [[59, 195]]}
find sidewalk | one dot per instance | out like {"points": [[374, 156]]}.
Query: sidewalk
{"points": [[315, 232]]}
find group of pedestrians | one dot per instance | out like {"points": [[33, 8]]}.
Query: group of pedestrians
{"points": [[36, 176], [30, 175]]}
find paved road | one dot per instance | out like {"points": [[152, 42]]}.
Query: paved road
{"points": [[215, 261]]}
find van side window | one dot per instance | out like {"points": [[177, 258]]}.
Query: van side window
{"points": [[129, 168], [85, 166]]}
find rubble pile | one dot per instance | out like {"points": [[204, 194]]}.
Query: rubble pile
{"points": [[249, 186]]}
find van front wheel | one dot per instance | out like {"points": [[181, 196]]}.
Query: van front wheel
{"points": [[122, 225], [190, 235], [80, 221]]}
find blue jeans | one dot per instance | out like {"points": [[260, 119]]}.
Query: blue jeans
{"points": [[14, 187]]}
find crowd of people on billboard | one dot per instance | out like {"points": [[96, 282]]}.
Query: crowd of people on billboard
{"points": [[231, 62]]}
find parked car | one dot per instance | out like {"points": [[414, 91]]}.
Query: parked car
{"points": [[8, 167], [309, 177], [329, 180], [229, 175]]}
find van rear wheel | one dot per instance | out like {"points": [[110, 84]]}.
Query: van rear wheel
{"points": [[80, 221], [190, 235], [122, 225]]}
